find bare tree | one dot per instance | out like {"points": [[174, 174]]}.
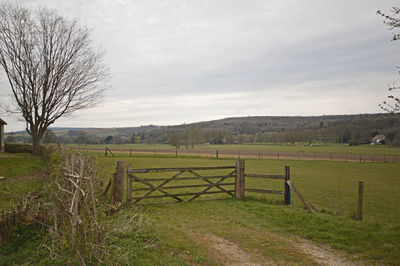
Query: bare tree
{"points": [[393, 21], [51, 66]]}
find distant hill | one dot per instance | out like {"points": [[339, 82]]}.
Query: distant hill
{"points": [[239, 125], [340, 128]]}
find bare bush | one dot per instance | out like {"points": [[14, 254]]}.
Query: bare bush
{"points": [[75, 214]]}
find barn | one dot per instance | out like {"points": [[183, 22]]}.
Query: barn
{"points": [[2, 124]]}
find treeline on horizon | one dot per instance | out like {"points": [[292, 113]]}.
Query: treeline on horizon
{"points": [[351, 129]]}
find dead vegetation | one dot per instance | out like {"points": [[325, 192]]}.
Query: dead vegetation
{"points": [[66, 209], [73, 217], [74, 207]]}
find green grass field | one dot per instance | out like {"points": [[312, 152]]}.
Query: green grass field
{"points": [[365, 149], [330, 148], [260, 224], [22, 173], [330, 186]]}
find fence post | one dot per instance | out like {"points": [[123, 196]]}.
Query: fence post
{"points": [[239, 179], [216, 153], [176, 151], [105, 152], [359, 214], [120, 173], [287, 195], [130, 152]]}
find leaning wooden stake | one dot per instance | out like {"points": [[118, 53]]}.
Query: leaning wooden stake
{"points": [[306, 205], [107, 149], [359, 214], [113, 188], [107, 187]]}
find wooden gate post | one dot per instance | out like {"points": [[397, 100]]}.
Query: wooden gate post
{"points": [[120, 173], [359, 215], [239, 179], [287, 195]]}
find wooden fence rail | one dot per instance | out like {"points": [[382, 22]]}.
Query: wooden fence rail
{"points": [[286, 192]]}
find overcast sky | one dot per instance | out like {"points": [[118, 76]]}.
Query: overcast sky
{"points": [[178, 61]]}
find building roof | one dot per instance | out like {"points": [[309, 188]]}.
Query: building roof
{"points": [[378, 138], [2, 122]]}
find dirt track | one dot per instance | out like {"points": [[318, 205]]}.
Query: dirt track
{"points": [[258, 154]]}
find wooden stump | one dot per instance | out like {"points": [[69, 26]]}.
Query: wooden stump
{"points": [[120, 174], [239, 180]]}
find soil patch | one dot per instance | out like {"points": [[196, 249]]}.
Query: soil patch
{"points": [[228, 252]]}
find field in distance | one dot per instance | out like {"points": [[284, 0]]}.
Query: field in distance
{"points": [[365, 149]]}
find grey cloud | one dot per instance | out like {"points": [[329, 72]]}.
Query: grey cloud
{"points": [[166, 51]]}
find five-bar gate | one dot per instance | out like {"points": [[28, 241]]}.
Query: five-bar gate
{"points": [[185, 184], [189, 183]]}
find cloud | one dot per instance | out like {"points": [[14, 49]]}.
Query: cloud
{"points": [[181, 61]]}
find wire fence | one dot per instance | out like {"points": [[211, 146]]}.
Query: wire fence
{"points": [[243, 154], [338, 199]]}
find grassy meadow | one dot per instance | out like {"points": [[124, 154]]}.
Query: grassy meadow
{"points": [[330, 186], [330, 148], [22, 173], [180, 234]]}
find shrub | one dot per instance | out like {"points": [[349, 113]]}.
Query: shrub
{"points": [[18, 148]]}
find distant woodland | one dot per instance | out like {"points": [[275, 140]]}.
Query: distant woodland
{"points": [[351, 129]]}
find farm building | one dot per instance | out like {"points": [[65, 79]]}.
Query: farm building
{"points": [[378, 139], [2, 123]]}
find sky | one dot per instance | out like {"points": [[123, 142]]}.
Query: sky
{"points": [[181, 61]]}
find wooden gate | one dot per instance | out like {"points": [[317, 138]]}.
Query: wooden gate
{"points": [[188, 183], [180, 184]]}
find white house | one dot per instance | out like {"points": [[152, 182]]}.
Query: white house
{"points": [[378, 139]]}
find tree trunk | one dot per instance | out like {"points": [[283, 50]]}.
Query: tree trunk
{"points": [[36, 144]]}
